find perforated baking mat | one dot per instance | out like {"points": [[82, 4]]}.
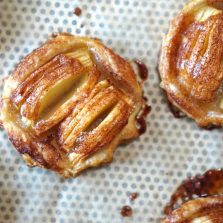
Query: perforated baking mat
{"points": [[152, 166]]}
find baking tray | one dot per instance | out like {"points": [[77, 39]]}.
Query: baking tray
{"points": [[152, 166]]}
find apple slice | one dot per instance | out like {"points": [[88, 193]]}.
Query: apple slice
{"points": [[103, 115], [105, 132], [28, 85], [65, 127], [205, 12], [50, 87], [82, 54], [64, 107], [104, 100]]}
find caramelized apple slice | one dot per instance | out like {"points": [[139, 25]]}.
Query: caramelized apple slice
{"points": [[103, 101], [28, 85], [50, 87], [82, 55], [79, 161], [62, 109], [64, 130], [105, 132], [26, 88]]}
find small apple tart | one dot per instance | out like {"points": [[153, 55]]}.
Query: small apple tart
{"points": [[191, 66], [198, 199], [69, 103], [200, 210]]}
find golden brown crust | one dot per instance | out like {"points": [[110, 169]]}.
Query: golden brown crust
{"points": [[191, 65], [209, 209], [69, 104]]}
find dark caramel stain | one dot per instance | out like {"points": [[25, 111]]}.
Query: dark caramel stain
{"points": [[143, 73], [175, 111], [141, 118], [145, 98], [1, 125], [126, 211], [210, 183], [143, 70], [55, 34], [211, 127], [77, 11]]}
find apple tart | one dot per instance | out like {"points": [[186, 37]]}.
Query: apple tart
{"points": [[197, 199], [69, 103], [200, 210], [190, 66]]}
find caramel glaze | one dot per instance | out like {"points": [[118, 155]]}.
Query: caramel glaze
{"points": [[210, 183]]}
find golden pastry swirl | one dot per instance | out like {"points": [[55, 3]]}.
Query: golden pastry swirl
{"points": [[200, 210], [191, 62], [69, 103]]}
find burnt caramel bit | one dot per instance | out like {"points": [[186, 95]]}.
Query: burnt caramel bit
{"points": [[126, 211], [77, 11], [143, 70], [141, 119], [133, 196], [55, 34], [143, 73], [211, 127], [210, 183], [175, 111], [1, 125]]}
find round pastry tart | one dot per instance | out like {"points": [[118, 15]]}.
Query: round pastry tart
{"points": [[197, 199], [200, 210], [191, 67], [69, 104]]}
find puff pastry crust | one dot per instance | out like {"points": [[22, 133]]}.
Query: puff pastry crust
{"points": [[69, 104], [200, 210], [190, 66]]}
